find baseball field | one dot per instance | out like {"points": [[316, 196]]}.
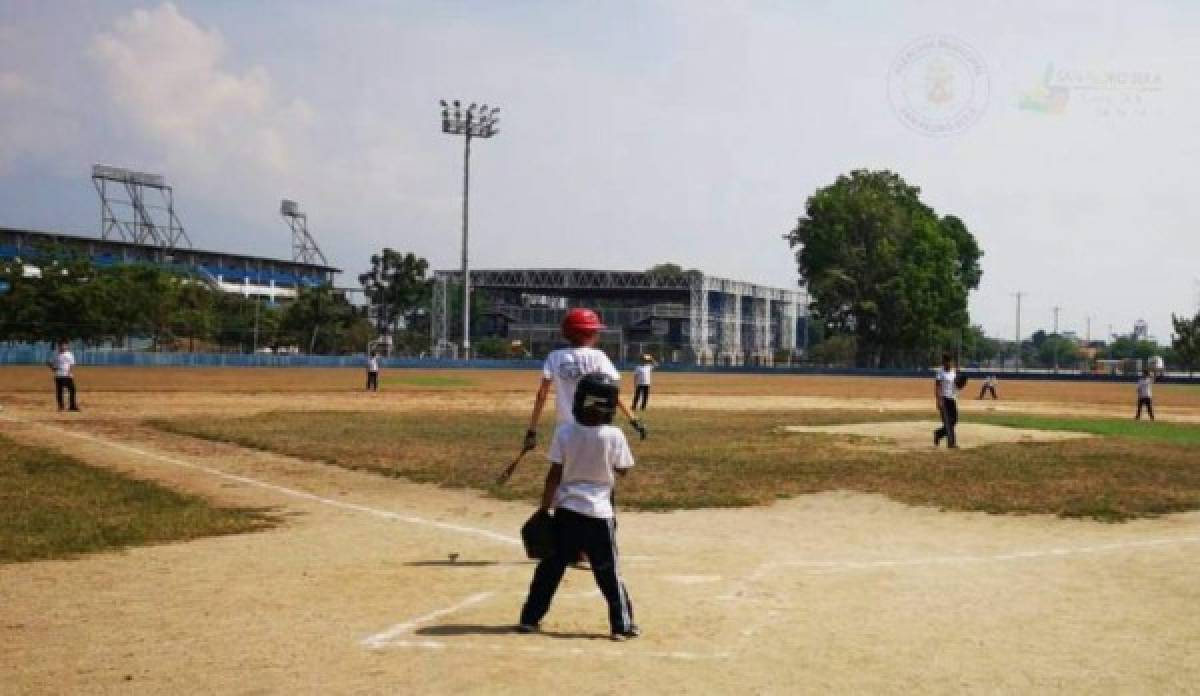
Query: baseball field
{"points": [[280, 530]]}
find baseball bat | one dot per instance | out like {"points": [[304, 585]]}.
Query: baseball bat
{"points": [[508, 470]]}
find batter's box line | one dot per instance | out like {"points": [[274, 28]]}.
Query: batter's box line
{"points": [[829, 567], [401, 636]]}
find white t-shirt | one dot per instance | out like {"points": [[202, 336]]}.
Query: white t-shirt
{"points": [[991, 381], [62, 363], [373, 365], [641, 375], [1145, 385], [566, 367], [945, 382], [590, 457]]}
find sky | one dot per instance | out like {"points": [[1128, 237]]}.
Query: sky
{"points": [[633, 133]]}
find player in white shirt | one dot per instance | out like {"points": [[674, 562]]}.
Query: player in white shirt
{"points": [[63, 365], [1145, 391], [565, 367], [587, 455], [373, 372], [945, 392], [641, 381]]}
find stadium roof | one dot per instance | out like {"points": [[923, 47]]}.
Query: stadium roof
{"points": [[79, 240]]}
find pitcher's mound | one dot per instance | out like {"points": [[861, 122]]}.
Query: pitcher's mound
{"points": [[908, 435]]}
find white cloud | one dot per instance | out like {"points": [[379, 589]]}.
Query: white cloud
{"points": [[226, 133]]}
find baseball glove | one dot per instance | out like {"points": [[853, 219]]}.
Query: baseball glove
{"points": [[960, 381], [538, 535]]}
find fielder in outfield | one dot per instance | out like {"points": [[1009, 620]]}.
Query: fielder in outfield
{"points": [[586, 455], [63, 366]]}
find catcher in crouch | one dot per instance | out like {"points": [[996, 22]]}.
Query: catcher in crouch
{"points": [[586, 456]]}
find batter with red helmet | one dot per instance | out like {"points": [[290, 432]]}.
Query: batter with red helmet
{"points": [[566, 366]]}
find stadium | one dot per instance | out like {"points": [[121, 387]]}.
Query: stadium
{"points": [[268, 279], [681, 318]]}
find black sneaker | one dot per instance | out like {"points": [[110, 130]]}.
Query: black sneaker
{"points": [[937, 439], [630, 634], [526, 628]]}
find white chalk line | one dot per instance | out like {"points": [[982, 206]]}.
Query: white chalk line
{"points": [[303, 495], [826, 567], [383, 638], [401, 636], [616, 653]]}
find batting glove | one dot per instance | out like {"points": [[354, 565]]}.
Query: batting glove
{"points": [[639, 426], [530, 439]]}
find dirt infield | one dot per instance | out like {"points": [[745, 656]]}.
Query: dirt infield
{"points": [[355, 591], [912, 435]]}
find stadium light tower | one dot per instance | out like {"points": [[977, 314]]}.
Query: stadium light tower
{"points": [[474, 122]]}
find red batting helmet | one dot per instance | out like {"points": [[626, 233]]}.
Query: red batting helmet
{"points": [[580, 323]]}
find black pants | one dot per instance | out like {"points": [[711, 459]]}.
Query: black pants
{"points": [[641, 391], [597, 537], [372, 381], [1149, 404], [67, 384], [949, 420], [987, 388]]}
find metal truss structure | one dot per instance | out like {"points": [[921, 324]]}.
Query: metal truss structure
{"points": [[727, 322], [137, 207], [304, 247]]}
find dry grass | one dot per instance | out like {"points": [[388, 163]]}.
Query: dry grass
{"points": [[707, 459], [53, 506], [293, 380]]}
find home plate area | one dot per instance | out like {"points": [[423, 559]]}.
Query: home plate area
{"points": [[577, 623]]}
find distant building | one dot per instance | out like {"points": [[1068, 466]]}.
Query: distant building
{"points": [[685, 317]]}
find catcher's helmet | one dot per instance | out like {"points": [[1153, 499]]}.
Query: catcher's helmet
{"points": [[595, 399], [580, 323]]}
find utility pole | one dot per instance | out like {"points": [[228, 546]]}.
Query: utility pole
{"points": [[1056, 309], [475, 122], [1019, 295]]}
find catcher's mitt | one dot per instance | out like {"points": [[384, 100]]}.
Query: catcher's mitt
{"points": [[960, 381], [538, 535]]}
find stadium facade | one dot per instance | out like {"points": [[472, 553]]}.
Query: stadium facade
{"points": [[687, 317], [266, 278]]}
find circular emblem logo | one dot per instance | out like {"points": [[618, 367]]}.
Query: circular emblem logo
{"points": [[938, 86]]}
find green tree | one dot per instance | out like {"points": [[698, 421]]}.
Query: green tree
{"points": [[396, 286], [317, 318], [977, 347], [670, 270], [1054, 349], [834, 351], [1129, 348], [1186, 341], [884, 267]]}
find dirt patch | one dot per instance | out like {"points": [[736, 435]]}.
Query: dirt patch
{"points": [[913, 435]]}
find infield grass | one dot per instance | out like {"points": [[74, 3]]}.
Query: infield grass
{"points": [[54, 506], [1178, 433], [696, 459]]}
